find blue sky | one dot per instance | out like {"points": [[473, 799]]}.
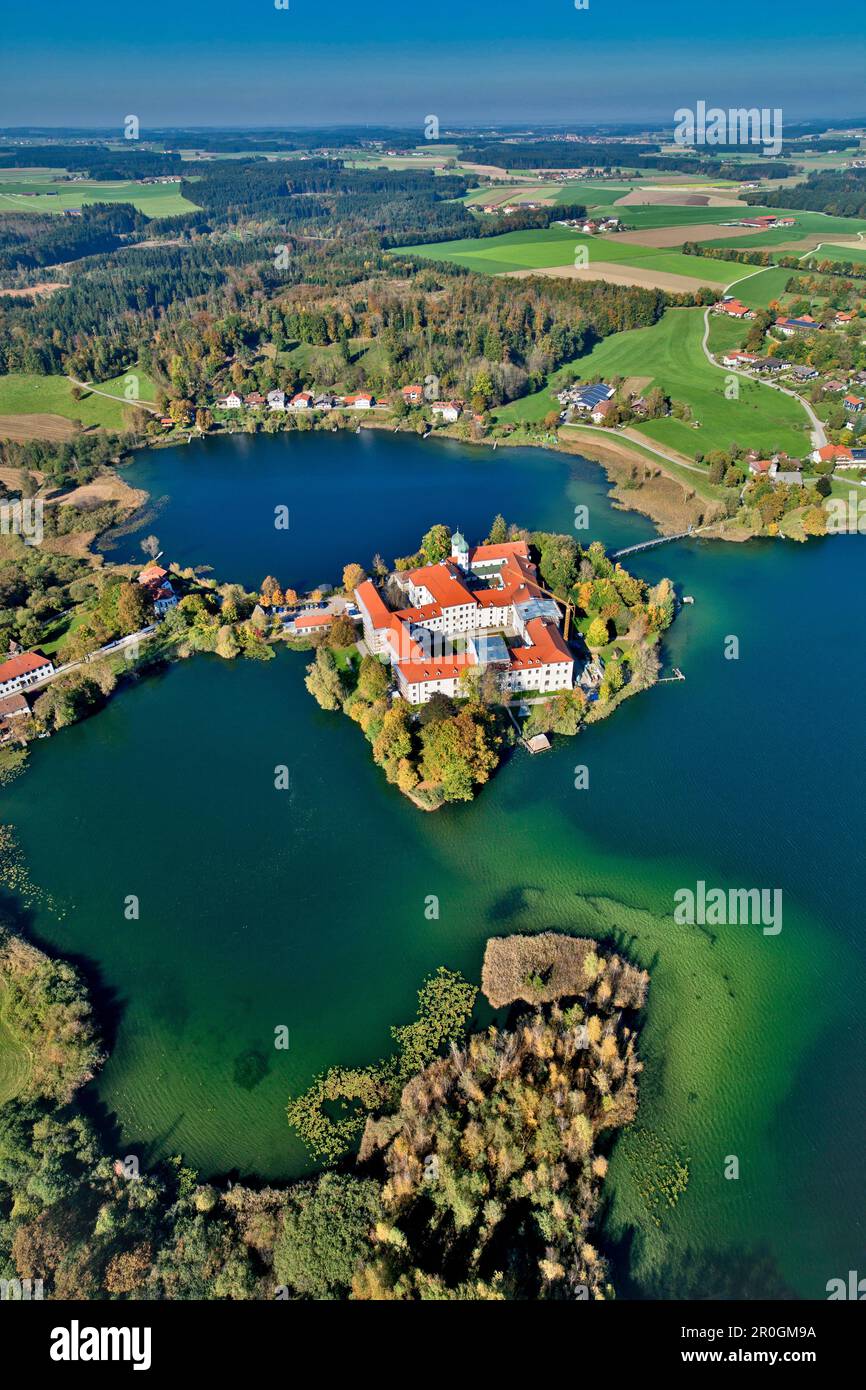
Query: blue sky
{"points": [[207, 62]]}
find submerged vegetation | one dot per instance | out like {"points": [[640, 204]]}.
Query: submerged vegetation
{"points": [[477, 1177]]}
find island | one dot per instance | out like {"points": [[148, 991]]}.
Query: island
{"points": [[465, 651]]}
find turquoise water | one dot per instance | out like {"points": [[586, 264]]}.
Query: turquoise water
{"points": [[306, 909]]}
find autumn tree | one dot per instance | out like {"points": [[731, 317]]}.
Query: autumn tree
{"points": [[353, 575]]}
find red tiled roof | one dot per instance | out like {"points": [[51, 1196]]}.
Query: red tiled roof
{"points": [[22, 665], [368, 597], [834, 451], [314, 620], [548, 645], [13, 704]]}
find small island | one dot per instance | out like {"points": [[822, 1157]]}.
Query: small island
{"points": [[466, 650]]}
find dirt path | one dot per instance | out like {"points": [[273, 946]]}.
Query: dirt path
{"points": [[95, 391]]}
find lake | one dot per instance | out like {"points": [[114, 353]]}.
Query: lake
{"points": [[305, 908]]}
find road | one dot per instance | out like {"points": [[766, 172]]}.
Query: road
{"points": [[819, 434], [113, 647]]}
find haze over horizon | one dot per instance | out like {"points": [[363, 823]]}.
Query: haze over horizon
{"points": [[211, 64]]}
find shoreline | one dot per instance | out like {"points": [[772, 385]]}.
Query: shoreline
{"points": [[664, 499]]}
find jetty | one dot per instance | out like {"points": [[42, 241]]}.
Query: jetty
{"points": [[658, 540]]}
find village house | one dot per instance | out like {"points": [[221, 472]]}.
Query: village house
{"points": [[23, 670], [325, 402], [738, 358], [832, 453], [157, 583], [14, 711], [853, 404], [488, 598], [600, 413], [413, 395], [449, 411], [254, 400], [843, 317], [230, 402], [770, 365], [276, 400], [734, 309], [804, 373], [360, 402], [302, 401]]}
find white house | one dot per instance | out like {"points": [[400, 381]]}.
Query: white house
{"points": [[276, 400], [230, 402], [23, 670], [449, 411], [362, 402]]}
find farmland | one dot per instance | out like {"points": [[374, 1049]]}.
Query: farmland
{"points": [[44, 406], [553, 247], [670, 353], [19, 193]]}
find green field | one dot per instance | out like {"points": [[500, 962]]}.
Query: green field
{"points": [[32, 194], [757, 290], [829, 252], [670, 354], [555, 246], [23, 394]]}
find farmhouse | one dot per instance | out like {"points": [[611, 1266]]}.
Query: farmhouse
{"points": [[842, 318], [832, 453], [23, 670], [482, 608], [230, 402], [738, 358], [734, 309], [413, 395], [805, 324], [601, 412], [361, 402]]}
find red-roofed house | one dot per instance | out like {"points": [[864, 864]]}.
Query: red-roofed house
{"points": [[734, 309], [308, 623], [23, 670], [413, 395], [832, 453]]}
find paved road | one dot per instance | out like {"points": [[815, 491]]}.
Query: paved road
{"points": [[819, 434], [110, 650]]}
